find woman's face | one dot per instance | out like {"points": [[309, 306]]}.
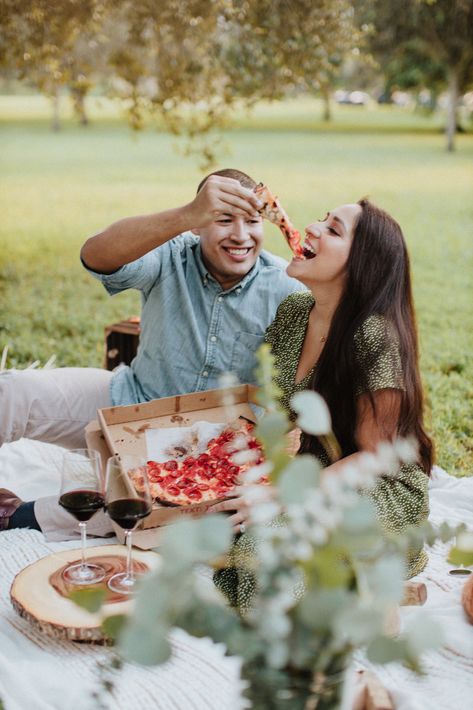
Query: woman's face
{"points": [[326, 248]]}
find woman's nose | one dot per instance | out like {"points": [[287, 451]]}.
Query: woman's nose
{"points": [[313, 230]]}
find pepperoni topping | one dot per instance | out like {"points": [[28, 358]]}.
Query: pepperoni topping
{"points": [[173, 490], [193, 493]]}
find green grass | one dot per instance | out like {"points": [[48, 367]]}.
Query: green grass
{"points": [[58, 189]]}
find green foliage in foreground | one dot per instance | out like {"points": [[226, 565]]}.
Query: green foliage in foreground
{"points": [[318, 579], [58, 189]]}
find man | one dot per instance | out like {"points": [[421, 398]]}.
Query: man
{"points": [[208, 294]]}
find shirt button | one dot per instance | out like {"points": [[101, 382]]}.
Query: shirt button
{"points": [[205, 373], [213, 338], [219, 299]]}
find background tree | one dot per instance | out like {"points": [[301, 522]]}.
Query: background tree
{"points": [[48, 44], [436, 35], [190, 61]]}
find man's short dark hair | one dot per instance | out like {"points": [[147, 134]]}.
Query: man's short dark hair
{"points": [[242, 178]]}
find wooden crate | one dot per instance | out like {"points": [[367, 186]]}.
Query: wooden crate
{"points": [[121, 342]]}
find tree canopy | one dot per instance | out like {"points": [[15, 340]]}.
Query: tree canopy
{"points": [[189, 60], [423, 42], [192, 61]]}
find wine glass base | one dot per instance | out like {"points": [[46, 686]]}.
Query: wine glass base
{"points": [[84, 574], [461, 571], [122, 583]]}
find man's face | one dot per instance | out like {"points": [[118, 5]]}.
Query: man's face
{"points": [[230, 246]]}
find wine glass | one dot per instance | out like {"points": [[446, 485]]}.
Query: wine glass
{"points": [[82, 495], [460, 570], [127, 501]]}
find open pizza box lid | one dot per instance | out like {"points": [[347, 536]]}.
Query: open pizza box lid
{"points": [[121, 430]]}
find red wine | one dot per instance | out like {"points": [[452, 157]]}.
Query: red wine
{"points": [[128, 511], [82, 504]]}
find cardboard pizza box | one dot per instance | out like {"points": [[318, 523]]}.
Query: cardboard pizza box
{"points": [[121, 430]]}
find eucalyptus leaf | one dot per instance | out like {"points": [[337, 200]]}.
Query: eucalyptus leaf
{"points": [[272, 429], [89, 599], [328, 568], [314, 416], [386, 650], [301, 475], [191, 541], [445, 532], [319, 607], [147, 645], [424, 634], [157, 595], [360, 518], [359, 624], [384, 578], [112, 625], [209, 619]]}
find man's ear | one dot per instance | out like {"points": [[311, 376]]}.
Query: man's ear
{"points": [[196, 232]]}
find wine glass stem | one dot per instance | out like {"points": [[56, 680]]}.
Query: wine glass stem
{"points": [[129, 564], [83, 535]]}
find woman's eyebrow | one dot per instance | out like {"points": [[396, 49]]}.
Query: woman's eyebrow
{"points": [[340, 221]]}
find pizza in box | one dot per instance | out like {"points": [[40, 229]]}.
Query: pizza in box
{"points": [[203, 478]]}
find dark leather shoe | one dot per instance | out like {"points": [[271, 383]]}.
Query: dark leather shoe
{"points": [[9, 502]]}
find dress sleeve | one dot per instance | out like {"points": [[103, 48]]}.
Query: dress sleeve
{"points": [[377, 352]]}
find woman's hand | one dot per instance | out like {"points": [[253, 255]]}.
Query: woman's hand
{"points": [[239, 506], [243, 499]]}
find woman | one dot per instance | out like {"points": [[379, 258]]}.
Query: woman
{"points": [[352, 338]]}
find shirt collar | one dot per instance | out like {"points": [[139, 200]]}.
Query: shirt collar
{"points": [[207, 276]]}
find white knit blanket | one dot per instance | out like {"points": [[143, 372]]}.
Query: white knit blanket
{"points": [[40, 673]]}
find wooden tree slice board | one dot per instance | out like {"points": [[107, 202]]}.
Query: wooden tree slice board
{"points": [[35, 599]]}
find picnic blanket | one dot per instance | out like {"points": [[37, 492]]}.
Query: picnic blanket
{"points": [[40, 673]]}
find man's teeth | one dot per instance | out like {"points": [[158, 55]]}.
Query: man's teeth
{"points": [[238, 252]]}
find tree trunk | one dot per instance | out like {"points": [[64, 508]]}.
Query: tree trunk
{"points": [[78, 98], [452, 108], [327, 112], [55, 120]]}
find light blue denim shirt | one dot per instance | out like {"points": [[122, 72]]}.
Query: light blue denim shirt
{"points": [[191, 330]]}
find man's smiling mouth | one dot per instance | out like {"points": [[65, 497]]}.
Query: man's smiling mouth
{"points": [[237, 251]]}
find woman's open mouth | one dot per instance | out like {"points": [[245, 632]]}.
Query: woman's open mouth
{"points": [[308, 252]]}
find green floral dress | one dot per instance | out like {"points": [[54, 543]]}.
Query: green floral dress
{"points": [[400, 501]]}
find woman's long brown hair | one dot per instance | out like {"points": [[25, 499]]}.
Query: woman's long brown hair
{"points": [[378, 282]]}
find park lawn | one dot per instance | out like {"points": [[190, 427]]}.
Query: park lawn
{"points": [[57, 189]]}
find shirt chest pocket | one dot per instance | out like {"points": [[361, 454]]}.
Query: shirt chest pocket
{"points": [[243, 360]]}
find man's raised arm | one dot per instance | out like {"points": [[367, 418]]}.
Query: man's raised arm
{"points": [[132, 237]]}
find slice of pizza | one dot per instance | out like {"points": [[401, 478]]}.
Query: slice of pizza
{"points": [[274, 212]]}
